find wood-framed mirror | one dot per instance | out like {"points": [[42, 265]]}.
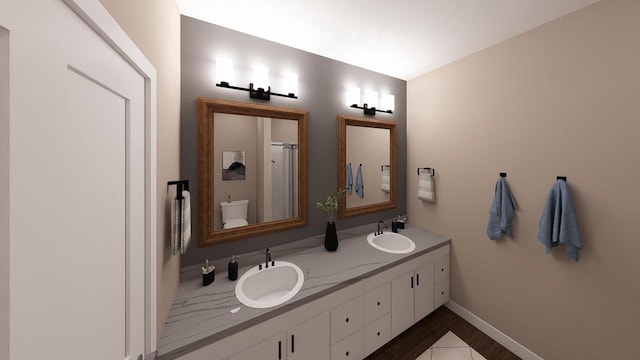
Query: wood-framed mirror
{"points": [[367, 163], [254, 157]]}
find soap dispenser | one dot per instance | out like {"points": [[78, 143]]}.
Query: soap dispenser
{"points": [[233, 269]]}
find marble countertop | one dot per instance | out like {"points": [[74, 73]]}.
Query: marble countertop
{"points": [[201, 315]]}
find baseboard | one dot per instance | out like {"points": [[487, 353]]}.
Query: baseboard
{"points": [[492, 332]]}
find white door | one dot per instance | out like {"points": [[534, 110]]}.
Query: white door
{"points": [[77, 192]]}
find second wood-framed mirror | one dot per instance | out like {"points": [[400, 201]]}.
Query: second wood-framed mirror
{"points": [[367, 165], [252, 170]]}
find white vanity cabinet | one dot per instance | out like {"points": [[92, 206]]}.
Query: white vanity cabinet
{"points": [[413, 292], [309, 340], [349, 323], [441, 279], [274, 348]]}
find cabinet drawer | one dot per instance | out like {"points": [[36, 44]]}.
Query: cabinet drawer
{"points": [[349, 348], [441, 293], [347, 318], [377, 302], [441, 269], [377, 334]]}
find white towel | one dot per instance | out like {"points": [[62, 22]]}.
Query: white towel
{"points": [[175, 221], [185, 237], [386, 180], [426, 188]]}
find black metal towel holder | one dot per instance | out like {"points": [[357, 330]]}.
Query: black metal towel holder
{"points": [[182, 185], [563, 178], [503, 174], [433, 171]]}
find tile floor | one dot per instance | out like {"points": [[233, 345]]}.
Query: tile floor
{"points": [[450, 347]]}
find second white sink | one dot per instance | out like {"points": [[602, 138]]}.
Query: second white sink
{"points": [[391, 242], [270, 286]]}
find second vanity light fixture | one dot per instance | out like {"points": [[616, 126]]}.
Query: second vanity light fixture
{"points": [[224, 73], [370, 102]]}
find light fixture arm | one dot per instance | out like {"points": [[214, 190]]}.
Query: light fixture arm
{"points": [[257, 93], [370, 110]]}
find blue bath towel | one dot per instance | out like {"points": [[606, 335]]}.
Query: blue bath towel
{"points": [[502, 212], [359, 183], [558, 223], [349, 184]]}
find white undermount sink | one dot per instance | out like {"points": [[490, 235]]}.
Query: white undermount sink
{"points": [[268, 287], [391, 242]]}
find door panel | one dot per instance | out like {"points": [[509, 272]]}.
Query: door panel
{"points": [[77, 191]]}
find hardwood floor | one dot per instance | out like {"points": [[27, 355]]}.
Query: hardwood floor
{"points": [[415, 340]]}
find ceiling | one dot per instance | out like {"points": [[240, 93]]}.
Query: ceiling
{"points": [[400, 38]]}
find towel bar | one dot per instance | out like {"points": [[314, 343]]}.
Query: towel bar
{"points": [[433, 171], [182, 185]]}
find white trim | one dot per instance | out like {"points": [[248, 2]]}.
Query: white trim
{"points": [[492, 332], [99, 19]]}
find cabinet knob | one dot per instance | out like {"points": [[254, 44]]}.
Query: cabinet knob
{"points": [[378, 303], [442, 293], [378, 333], [347, 353], [442, 269], [347, 319]]}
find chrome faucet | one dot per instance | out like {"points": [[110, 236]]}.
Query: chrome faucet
{"points": [[267, 258], [379, 231]]}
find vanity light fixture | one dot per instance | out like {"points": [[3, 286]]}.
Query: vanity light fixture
{"points": [[370, 102], [260, 74]]}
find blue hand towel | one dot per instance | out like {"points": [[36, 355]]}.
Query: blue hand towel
{"points": [[349, 184], [502, 212], [359, 183], [558, 223]]}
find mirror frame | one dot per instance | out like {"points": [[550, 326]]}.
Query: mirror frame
{"points": [[207, 108], [343, 122]]}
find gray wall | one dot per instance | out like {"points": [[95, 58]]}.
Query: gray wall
{"points": [[322, 87]]}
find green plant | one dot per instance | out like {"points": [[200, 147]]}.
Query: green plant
{"points": [[330, 205]]}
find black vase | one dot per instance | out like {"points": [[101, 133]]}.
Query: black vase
{"points": [[331, 237]]}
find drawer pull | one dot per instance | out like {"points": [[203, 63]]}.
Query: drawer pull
{"points": [[412, 282], [347, 319], [442, 293], [417, 279], [347, 353], [378, 303], [292, 344], [378, 333], [279, 350], [442, 269]]}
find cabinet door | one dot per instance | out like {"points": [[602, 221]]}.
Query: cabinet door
{"points": [[310, 340], [423, 295], [402, 303], [274, 348]]}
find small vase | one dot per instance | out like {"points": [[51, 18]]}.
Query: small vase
{"points": [[331, 237]]}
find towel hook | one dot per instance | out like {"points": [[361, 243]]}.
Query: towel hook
{"points": [[563, 178], [503, 174], [433, 171]]}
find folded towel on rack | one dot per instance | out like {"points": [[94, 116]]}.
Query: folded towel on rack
{"points": [[386, 180], [349, 184], [185, 236], [559, 223], [502, 211], [426, 188], [359, 182]]}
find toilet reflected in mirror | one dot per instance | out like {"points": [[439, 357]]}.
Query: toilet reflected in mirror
{"points": [[234, 213]]}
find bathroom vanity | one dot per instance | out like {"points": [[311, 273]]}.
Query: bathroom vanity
{"points": [[352, 302]]}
